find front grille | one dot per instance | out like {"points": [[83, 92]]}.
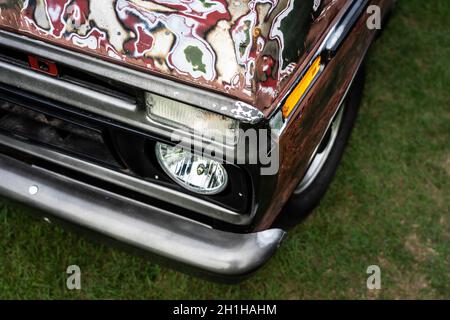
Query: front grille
{"points": [[56, 133], [102, 141]]}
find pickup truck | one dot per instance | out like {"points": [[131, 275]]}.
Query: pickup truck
{"points": [[195, 132]]}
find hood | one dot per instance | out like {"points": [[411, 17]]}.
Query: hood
{"points": [[245, 49]]}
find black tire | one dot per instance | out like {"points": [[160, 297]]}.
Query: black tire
{"points": [[300, 205]]}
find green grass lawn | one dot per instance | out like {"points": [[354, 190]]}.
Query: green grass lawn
{"points": [[388, 206]]}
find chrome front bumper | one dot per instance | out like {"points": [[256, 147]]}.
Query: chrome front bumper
{"points": [[152, 230]]}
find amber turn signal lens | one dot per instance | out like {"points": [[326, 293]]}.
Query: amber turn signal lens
{"points": [[301, 88]]}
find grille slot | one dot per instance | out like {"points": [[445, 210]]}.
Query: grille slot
{"points": [[75, 76], [54, 132]]}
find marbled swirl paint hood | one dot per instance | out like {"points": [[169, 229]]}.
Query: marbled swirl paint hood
{"points": [[245, 49]]}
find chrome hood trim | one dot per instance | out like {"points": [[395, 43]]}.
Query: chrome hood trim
{"points": [[105, 105]]}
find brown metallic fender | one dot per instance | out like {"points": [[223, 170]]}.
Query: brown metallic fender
{"points": [[311, 119]]}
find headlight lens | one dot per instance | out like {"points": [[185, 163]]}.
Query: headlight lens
{"points": [[195, 173], [180, 115]]}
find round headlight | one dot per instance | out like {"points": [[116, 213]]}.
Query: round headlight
{"points": [[195, 173]]}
